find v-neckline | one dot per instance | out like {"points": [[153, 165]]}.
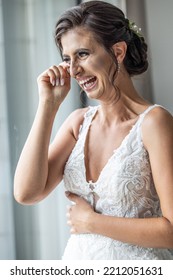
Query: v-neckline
{"points": [[115, 151]]}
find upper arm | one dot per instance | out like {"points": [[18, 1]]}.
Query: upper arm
{"points": [[60, 149], [157, 131]]}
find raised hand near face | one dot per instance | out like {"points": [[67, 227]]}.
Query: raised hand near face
{"points": [[54, 84]]}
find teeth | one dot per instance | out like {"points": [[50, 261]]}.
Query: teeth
{"points": [[85, 81], [88, 85]]}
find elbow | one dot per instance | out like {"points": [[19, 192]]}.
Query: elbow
{"points": [[25, 197], [25, 192], [22, 199]]}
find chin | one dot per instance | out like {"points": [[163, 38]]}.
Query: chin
{"points": [[94, 95]]}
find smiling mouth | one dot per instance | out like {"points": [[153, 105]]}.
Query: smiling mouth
{"points": [[88, 83]]}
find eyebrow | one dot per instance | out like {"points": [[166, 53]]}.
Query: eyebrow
{"points": [[76, 51]]}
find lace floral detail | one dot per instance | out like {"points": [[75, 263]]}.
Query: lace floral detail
{"points": [[97, 247], [124, 188]]}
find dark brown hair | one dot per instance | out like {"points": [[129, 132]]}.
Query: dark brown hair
{"points": [[109, 26]]}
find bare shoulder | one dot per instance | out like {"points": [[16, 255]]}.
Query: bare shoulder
{"points": [[157, 118], [78, 113], [157, 124]]}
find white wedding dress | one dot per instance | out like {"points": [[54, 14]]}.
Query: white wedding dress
{"points": [[124, 188]]}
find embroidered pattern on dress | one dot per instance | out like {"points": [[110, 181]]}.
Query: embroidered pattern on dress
{"points": [[125, 188]]}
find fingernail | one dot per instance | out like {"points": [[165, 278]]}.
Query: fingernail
{"points": [[53, 83], [57, 82], [67, 193], [62, 82]]}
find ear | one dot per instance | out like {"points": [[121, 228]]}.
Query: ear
{"points": [[120, 49]]}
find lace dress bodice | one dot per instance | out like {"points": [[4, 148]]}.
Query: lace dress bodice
{"points": [[124, 188]]}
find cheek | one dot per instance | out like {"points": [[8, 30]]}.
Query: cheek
{"points": [[97, 64], [101, 67]]}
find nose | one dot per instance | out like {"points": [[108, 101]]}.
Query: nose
{"points": [[75, 69]]}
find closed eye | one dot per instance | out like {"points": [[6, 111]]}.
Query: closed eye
{"points": [[66, 59], [80, 54], [83, 54]]}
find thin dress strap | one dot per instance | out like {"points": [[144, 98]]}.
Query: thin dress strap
{"points": [[142, 116], [88, 117]]}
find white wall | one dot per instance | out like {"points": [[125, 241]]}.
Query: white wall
{"points": [[159, 15]]}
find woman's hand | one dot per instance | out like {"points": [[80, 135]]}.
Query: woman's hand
{"points": [[54, 84], [79, 215]]}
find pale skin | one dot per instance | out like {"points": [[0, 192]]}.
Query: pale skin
{"points": [[40, 167]]}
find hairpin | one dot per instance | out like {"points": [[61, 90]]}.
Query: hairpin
{"points": [[135, 28]]}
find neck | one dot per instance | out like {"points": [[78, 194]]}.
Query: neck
{"points": [[129, 105]]}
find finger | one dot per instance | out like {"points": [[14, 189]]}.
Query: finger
{"points": [[53, 75], [68, 70], [63, 74], [72, 230], [69, 223], [73, 197], [68, 215], [47, 76], [58, 74], [68, 208], [65, 65]]}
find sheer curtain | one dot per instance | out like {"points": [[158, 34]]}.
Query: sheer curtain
{"points": [[7, 249], [26, 49]]}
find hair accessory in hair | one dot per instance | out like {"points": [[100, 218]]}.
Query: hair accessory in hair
{"points": [[135, 28]]}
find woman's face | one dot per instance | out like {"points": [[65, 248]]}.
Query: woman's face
{"points": [[88, 62]]}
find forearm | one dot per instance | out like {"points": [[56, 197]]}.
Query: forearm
{"points": [[145, 232], [32, 169]]}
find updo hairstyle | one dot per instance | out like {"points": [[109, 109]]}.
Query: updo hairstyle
{"points": [[109, 26]]}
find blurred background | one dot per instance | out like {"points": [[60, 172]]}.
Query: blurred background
{"points": [[27, 48]]}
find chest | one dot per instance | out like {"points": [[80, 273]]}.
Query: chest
{"points": [[123, 187], [99, 146]]}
